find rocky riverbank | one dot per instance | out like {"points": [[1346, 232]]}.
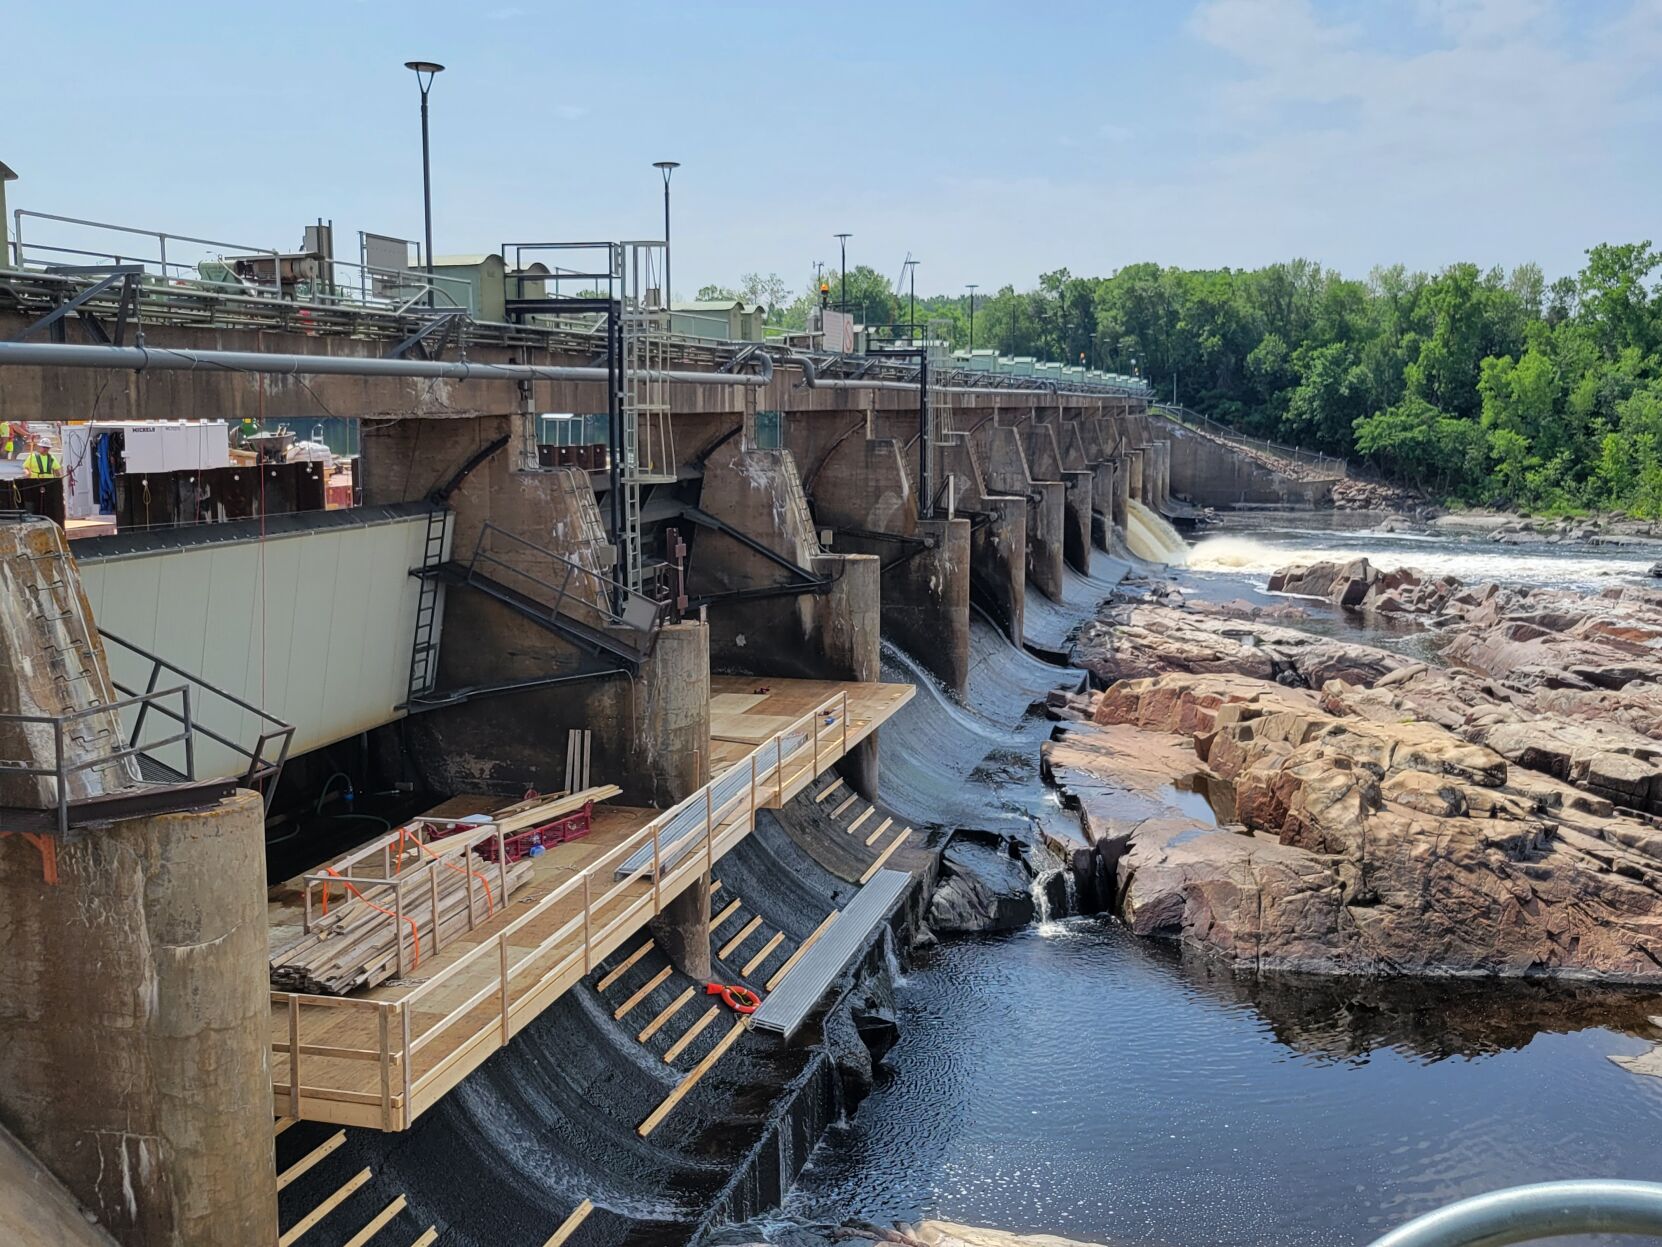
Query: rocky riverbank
{"points": [[1303, 802]]}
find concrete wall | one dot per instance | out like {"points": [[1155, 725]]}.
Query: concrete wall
{"points": [[1211, 474], [134, 1024]]}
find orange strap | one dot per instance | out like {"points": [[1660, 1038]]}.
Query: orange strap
{"points": [[404, 833], [415, 931]]}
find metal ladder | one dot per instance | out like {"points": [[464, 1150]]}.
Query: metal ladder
{"points": [[647, 445], [424, 650]]}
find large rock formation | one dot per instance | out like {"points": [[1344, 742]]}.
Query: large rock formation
{"points": [[1363, 846], [1137, 641]]}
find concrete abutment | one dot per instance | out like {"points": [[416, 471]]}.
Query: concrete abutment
{"points": [[135, 1022]]}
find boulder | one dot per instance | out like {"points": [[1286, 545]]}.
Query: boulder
{"points": [[982, 888]]}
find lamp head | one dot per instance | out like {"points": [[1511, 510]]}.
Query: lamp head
{"points": [[666, 167], [425, 72]]}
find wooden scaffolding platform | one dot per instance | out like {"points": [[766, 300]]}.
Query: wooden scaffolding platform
{"points": [[379, 1058]]}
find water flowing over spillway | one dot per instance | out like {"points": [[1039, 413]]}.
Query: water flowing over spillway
{"points": [[933, 747], [1150, 537]]}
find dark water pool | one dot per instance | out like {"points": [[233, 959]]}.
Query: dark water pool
{"points": [[1075, 1080]]}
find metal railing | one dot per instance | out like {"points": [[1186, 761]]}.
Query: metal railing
{"points": [[1527, 1214], [263, 768], [62, 769], [311, 280], [610, 601], [1329, 466], [601, 907]]}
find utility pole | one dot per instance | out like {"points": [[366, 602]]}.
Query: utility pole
{"points": [[973, 287]]}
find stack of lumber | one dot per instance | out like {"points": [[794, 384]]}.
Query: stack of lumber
{"points": [[356, 945], [529, 813]]}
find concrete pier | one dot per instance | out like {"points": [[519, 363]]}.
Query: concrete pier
{"points": [[926, 600], [998, 544], [134, 1023]]}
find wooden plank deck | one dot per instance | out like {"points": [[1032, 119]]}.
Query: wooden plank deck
{"points": [[343, 1075]]}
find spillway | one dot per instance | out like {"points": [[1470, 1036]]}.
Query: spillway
{"points": [[1150, 536]]}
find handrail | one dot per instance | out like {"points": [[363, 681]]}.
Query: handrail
{"points": [[608, 590], [605, 907], [61, 768], [260, 767], [1205, 424], [1527, 1214]]}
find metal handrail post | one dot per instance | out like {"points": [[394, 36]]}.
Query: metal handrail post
{"points": [[190, 736], [60, 779], [144, 706]]}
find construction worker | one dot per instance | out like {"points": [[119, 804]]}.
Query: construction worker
{"points": [[249, 427], [40, 463], [8, 447]]}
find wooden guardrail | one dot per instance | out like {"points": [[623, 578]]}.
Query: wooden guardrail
{"points": [[519, 983]]}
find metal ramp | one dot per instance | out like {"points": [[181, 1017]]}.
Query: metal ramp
{"points": [[592, 611], [800, 990]]}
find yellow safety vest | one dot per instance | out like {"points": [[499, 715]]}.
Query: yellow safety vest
{"points": [[41, 465]]}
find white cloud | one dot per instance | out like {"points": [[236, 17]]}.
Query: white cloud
{"points": [[1473, 123]]}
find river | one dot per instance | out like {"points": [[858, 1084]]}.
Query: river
{"points": [[1071, 1079]]}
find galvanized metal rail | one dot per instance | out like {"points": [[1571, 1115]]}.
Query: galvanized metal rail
{"points": [[1527, 1214], [790, 1003]]}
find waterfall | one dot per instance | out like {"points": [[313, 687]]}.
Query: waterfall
{"points": [[1039, 889], [1149, 537], [896, 976]]}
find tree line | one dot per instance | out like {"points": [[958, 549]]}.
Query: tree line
{"points": [[1479, 386]]}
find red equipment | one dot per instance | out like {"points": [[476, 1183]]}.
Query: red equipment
{"points": [[532, 840]]}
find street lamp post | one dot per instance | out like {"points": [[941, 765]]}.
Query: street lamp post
{"points": [[666, 167], [842, 302], [973, 287], [425, 72]]}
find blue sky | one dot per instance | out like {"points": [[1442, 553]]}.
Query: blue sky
{"points": [[991, 140]]}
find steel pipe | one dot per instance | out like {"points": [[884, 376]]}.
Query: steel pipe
{"points": [[1526, 1214], [154, 359]]}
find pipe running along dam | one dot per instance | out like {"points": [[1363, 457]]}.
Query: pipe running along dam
{"points": [[496, 829]]}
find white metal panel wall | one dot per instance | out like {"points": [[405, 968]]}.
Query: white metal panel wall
{"points": [[315, 627]]}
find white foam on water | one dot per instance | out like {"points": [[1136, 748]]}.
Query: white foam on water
{"points": [[1435, 557]]}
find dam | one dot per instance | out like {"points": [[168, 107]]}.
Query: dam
{"points": [[504, 742]]}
